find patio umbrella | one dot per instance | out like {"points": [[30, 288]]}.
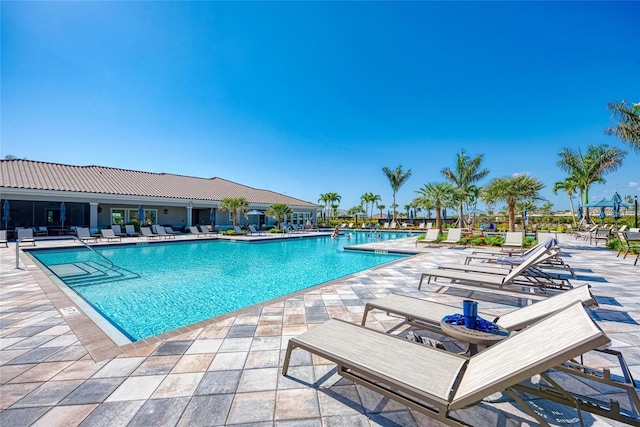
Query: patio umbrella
{"points": [[5, 214], [411, 214], [63, 213], [212, 216], [388, 216], [579, 213], [602, 213], [525, 217], [141, 214]]}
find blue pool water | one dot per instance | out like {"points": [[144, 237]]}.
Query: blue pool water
{"points": [[158, 287]]}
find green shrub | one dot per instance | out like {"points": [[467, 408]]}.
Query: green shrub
{"points": [[494, 240], [478, 241], [529, 241], [614, 244], [275, 230]]}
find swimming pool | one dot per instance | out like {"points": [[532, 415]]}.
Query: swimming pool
{"points": [[154, 288]]}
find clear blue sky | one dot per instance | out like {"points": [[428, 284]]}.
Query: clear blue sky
{"points": [[315, 97]]}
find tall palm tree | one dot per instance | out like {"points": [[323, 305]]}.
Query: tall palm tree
{"points": [[397, 177], [334, 200], [442, 195], [466, 173], [569, 185], [375, 198], [381, 208], [324, 199], [628, 128], [591, 167], [512, 191], [237, 205], [280, 211], [367, 198]]}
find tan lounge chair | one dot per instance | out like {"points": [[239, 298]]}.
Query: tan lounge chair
{"points": [[146, 232], [430, 236], [454, 235], [107, 233], [427, 314], [513, 241], [84, 234], [516, 275], [438, 383]]}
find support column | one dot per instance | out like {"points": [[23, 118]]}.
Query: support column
{"points": [[93, 215], [189, 214]]}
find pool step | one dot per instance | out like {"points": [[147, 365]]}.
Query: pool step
{"points": [[91, 273]]}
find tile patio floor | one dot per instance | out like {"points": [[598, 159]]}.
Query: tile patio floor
{"points": [[63, 371]]}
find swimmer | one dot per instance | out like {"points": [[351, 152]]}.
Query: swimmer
{"points": [[336, 232]]}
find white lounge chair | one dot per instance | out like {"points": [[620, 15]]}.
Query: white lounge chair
{"points": [[194, 231], [3, 238], [454, 235], [25, 235], [205, 230], [146, 232], [41, 231], [117, 230], [252, 230], [513, 241], [160, 231], [107, 233], [238, 230], [84, 234]]}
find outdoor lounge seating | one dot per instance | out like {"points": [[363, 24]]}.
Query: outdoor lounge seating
{"points": [[193, 230], [602, 233], [131, 231], [160, 231], [454, 235], [117, 230], [513, 240], [428, 314], [238, 230], [3, 238], [628, 241], [84, 235], [439, 383], [41, 231], [146, 232], [252, 230], [430, 236], [204, 229], [516, 276], [108, 234]]}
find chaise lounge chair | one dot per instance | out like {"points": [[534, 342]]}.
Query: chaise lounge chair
{"points": [[252, 230], [117, 230], [193, 230], [454, 235], [131, 231], [430, 236], [513, 241], [84, 235], [146, 232], [205, 230], [517, 276], [107, 233], [160, 231], [3, 238], [439, 383]]}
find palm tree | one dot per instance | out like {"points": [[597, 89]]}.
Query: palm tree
{"points": [[628, 128], [324, 199], [334, 200], [397, 177], [280, 211], [591, 167], [467, 172], [367, 198], [512, 191], [569, 185], [237, 205], [442, 195], [381, 208], [375, 198]]}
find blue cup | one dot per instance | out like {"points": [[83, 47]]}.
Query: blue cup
{"points": [[470, 311]]}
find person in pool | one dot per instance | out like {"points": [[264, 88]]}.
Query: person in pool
{"points": [[335, 232]]}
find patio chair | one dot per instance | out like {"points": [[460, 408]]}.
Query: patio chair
{"points": [[41, 231], [439, 383], [193, 230], [385, 226], [84, 235], [117, 230], [628, 240], [160, 231], [421, 226], [517, 276], [3, 238], [107, 233], [252, 230], [428, 314], [169, 230], [513, 241], [454, 235], [602, 233], [430, 236], [146, 232], [238, 230], [131, 231]]}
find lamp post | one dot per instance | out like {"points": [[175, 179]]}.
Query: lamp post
{"points": [[636, 209]]}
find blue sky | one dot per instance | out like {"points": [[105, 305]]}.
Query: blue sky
{"points": [[315, 97]]}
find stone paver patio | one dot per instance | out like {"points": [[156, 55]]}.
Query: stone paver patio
{"points": [[60, 370]]}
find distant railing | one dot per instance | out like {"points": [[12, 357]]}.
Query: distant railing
{"points": [[94, 251]]}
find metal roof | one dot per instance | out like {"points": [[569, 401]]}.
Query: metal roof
{"points": [[36, 175]]}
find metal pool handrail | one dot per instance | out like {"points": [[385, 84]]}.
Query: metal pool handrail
{"points": [[94, 251]]}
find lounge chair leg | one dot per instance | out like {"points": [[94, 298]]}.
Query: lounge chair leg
{"points": [[287, 357], [526, 407], [421, 279], [367, 308]]}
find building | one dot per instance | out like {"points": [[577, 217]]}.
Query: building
{"points": [[98, 196]]}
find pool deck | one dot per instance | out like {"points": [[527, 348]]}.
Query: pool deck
{"points": [[61, 370]]}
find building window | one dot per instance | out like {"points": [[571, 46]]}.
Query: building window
{"points": [[150, 216], [117, 216]]}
